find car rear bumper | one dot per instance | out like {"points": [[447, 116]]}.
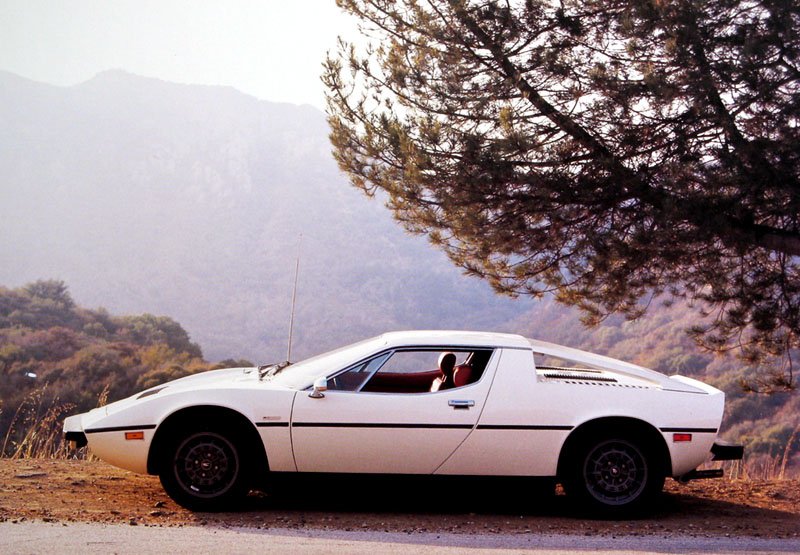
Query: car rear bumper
{"points": [[720, 451], [724, 451]]}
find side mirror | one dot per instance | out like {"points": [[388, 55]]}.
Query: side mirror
{"points": [[320, 385]]}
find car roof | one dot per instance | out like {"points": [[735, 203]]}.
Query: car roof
{"points": [[454, 338]]}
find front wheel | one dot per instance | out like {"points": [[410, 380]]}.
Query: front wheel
{"points": [[205, 470], [615, 476]]}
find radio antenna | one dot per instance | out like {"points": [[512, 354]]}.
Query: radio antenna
{"points": [[294, 297]]}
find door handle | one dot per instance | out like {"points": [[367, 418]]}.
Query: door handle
{"points": [[461, 403]]}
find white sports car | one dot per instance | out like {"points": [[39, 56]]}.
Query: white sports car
{"points": [[419, 403]]}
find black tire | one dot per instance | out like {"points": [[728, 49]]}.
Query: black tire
{"points": [[205, 469], [614, 476]]}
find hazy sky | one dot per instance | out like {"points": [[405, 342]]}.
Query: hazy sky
{"points": [[271, 49]]}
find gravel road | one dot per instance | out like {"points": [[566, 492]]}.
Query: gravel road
{"points": [[84, 538]]}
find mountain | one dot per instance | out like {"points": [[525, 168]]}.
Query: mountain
{"points": [[194, 201]]}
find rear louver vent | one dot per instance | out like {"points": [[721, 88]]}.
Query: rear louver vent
{"points": [[578, 377]]}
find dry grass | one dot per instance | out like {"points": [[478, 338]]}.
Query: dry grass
{"points": [[760, 466], [36, 429]]}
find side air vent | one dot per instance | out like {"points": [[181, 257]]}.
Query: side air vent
{"points": [[150, 392]]}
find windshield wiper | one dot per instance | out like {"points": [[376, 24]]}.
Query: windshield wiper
{"points": [[269, 370]]}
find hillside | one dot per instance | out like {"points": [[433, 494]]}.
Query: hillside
{"points": [[57, 358]]}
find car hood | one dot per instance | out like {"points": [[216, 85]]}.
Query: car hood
{"points": [[214, 379]]}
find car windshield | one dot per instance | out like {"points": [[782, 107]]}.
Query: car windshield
{"points": [[302, 374]]}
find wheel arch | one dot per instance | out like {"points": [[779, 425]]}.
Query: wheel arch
{"points": [[629, 427], [219, 415]]}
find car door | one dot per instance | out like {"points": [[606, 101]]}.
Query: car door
{"points": [[393, 427]]}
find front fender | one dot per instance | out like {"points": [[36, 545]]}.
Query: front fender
{"points": [[122, 433]]}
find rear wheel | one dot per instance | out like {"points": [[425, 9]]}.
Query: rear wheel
{"points": [[205, 470], [614, 476]]}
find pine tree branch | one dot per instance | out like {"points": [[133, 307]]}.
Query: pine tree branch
{"points": [[632, 186]]}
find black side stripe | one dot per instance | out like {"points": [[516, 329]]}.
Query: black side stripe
{"points": [[379, 425], [690, 430], [400, 425], [521, 427], [424, 426], [120, 429]]}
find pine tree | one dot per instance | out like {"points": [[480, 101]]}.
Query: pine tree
{"points": [[608, 151]]}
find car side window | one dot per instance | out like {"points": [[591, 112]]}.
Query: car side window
{"points": [[415, 362], [352, 378], [416, 370]]}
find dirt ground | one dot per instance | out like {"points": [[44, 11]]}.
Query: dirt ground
{"points": [[83, 491]]}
